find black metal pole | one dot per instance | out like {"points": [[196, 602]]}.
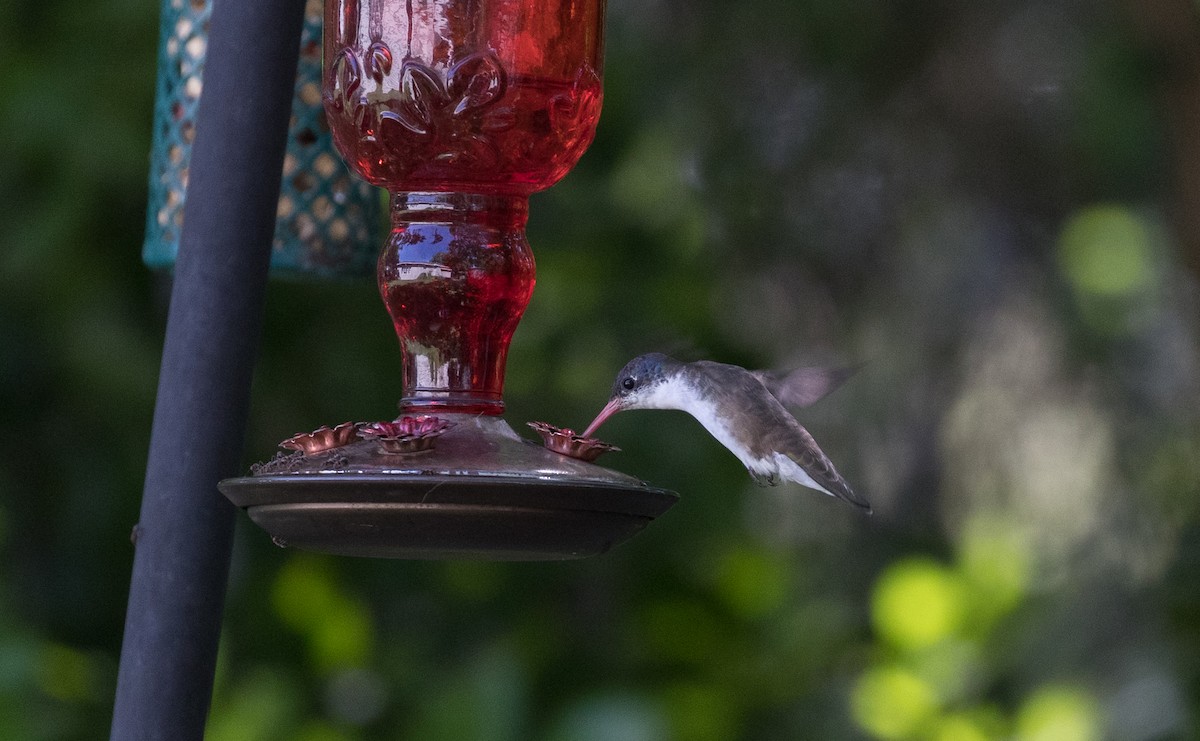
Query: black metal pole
{"points": [[184, 535]]}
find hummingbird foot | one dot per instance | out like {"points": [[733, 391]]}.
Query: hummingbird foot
{"points": [[764, 478]]}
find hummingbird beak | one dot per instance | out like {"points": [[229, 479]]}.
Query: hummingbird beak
{"points": [[612, 407]]}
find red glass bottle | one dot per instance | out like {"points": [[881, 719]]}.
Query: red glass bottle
{"points": [[461, 109]]}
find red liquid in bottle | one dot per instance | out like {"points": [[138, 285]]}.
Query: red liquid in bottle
{"points": [[456, 275], [461, 108], [524, 140]]}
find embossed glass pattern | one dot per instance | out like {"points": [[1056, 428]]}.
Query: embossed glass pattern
{"points": [[482, 96], [462, 109]]}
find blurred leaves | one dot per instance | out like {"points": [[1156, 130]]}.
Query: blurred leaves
{"points": [[1105, 251], [1059, 714], [917, 604], [336, 626], [893, 703], [932, 677], [976, 199]]}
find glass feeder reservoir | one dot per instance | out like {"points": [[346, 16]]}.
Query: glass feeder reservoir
{"points": [[461, 109]]}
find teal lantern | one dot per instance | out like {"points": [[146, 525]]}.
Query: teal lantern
{"points": [[328, 221]]}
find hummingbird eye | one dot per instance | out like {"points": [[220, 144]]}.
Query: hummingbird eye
{"points": [[628, 384]]}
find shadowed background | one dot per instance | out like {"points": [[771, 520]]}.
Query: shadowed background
{"points": [[994, 207]]}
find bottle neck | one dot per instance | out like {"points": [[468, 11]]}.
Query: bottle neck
{"points": [[426, 207], [456, 275]]}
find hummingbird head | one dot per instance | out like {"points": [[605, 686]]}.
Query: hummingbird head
{"points": [[643, 383]]}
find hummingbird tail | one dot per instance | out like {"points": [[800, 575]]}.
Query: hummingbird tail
{"points": [[846, 494], [827, 480]]}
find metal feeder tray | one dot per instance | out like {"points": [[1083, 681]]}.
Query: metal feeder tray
{"points": [[482, 492]]}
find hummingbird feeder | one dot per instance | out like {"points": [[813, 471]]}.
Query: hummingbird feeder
{"points": [[461, 109]]}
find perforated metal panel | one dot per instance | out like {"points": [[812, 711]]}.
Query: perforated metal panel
{"points": [[329, 221]]}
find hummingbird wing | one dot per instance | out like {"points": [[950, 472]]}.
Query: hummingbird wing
{"points": [[803, 386], [761, 432], [802, 460]]}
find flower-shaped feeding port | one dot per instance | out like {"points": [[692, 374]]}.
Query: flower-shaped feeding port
{"points": [[407, 434], [322, 439], [565, 442]]}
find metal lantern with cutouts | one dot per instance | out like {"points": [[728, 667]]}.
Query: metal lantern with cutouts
{"points": [[328, 220]]}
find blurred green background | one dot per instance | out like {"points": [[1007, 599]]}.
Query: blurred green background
{"points": [[995, 205]]}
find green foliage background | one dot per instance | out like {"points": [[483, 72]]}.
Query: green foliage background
{"points": [[987, 202]]}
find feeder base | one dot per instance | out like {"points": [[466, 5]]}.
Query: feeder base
{"points": [[482, 493]]}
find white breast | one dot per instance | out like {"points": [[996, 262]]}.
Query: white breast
{"points": [[676, 394]]}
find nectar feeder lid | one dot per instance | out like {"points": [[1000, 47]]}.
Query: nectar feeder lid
{"points": [[480, 492]]}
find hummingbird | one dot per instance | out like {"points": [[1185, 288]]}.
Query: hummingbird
{"points": [[744, 410]]}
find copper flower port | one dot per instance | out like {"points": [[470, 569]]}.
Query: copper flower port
{"points": [[565, 442], [323, 438], [407, 434]]}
